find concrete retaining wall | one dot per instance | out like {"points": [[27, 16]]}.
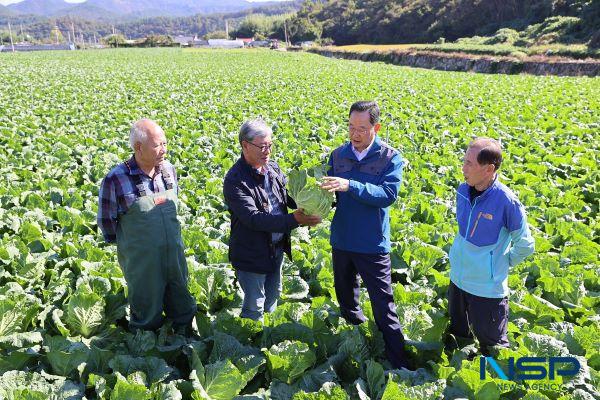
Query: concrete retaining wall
{"points": [[466, 63]]}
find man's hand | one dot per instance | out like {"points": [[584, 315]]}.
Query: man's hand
{"points": [[335, 184], [307, 220]]}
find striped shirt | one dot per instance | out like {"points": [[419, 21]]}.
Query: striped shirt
{"points": [[118, 193], [274, 207]]}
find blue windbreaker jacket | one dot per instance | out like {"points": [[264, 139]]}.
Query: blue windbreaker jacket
{"points": [[493, 236], [361, 223]]}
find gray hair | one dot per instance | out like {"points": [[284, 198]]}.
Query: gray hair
{"points": [[254, 128], [138, 132]]}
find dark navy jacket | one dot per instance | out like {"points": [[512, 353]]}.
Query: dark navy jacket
{"points": [[250, 245]]}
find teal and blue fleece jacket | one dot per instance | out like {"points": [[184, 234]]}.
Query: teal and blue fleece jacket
{"points": [[492, 237], [361, 223]]}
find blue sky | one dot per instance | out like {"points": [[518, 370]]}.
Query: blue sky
{"points": [[5, 2]]}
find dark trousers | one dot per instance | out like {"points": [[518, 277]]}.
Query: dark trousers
{"points": [[375, 271], [488, 317]]}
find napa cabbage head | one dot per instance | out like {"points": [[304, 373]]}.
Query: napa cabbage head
{"points": [[307, 193]]}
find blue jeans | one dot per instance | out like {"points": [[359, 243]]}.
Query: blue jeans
{"points": [[261, 291]]}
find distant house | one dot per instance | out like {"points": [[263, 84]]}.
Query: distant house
{"points": [[37, 47], [218, 43], [200, 43], [246, 41], [184, 41], [225, 44]]}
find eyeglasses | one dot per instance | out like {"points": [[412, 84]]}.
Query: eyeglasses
{"points": [[263, 148], [361, 132]]}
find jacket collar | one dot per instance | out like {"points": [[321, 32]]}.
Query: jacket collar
{"points": [[463, 189], [251, 170], [348, 153]]}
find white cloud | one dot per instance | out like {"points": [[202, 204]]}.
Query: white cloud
{"points": [[6, 2]]}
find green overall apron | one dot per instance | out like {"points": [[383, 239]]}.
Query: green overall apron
{"points": [[151, 254]]}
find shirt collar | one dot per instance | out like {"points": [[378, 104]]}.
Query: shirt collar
{"points": [[348, 151], [361, 154], [133, 167], [257, 171]]}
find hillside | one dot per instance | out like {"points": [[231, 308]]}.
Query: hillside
{"points": [[89, 22], [5, 10], [39, 7], [129, 9], [427, 21]]}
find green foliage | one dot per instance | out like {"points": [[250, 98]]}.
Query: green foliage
{"points": [[424, 21], [218, 381], [469, 46], [38, 28], [85, 312], [63, 325], [260, 26], [212, 286], [158, 41], [216, 35], [305, 190], [288, 360], [16, 385], [115, 40], [129, 388]]}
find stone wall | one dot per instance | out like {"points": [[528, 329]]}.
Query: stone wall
{"points": [[471, 63]]}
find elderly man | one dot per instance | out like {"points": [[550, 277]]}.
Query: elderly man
{"points": [[257, 199], [492, 237], [138, 212], [365, 173]]}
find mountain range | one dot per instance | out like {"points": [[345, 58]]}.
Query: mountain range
{"points": [[4, 10], [126, 9]]}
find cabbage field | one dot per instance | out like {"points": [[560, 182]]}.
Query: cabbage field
{"points": [[64, 122]]}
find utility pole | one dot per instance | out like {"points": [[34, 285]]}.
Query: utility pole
{"points": [[22, 35], [226, 30], [73, 31], [285, 33], [12, 45], [56, 33]]}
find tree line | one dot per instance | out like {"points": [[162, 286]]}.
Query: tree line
{"points": [[360, 21], [40, 29], [426, 21]]}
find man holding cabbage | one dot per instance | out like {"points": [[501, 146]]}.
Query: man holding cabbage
{"points": [[257, 199], [365, 174]]}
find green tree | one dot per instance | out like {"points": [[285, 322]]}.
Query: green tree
{"points": [[55, 36], [215, 35], [115, 40], [158, 41]]}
